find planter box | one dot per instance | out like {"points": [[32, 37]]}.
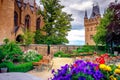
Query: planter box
{"points": [[3, 70]]}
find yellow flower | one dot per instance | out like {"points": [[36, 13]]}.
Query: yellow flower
{"points": [[117, 71], [102, 66], [112, 77], [105, 67], [119, 66], [108, 68]]}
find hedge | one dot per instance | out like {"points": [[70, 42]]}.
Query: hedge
{"points": [[24, 67]]}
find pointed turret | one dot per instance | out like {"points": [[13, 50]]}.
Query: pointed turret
{"points": [[86, 17], [95, 11], [116, 1]]}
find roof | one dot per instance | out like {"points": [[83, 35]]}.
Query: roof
{"points": [[31, 2], [95, 11]]}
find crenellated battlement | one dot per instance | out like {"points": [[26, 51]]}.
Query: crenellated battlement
{"points": [[92, 21], [91, 24]]}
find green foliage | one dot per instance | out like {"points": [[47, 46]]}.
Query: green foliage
{"points": [[85, 48], [3, 65], [32, 55], [28, 37], [61, 54], [10, 52], [77, 76], [57, 22], [23, 67], [39, 38], [100, 36], [6, 40]]}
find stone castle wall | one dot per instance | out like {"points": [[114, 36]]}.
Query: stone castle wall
{"points": [[43, 49]]}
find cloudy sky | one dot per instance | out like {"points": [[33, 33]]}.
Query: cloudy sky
{"points": [[77, 7]]}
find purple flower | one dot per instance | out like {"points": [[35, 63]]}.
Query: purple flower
{"points": [[53, 71], [82, 78]]}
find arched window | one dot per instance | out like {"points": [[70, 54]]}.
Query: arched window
{"points": [[15, 19], [27, 22], [19, 39], [38, 24]]}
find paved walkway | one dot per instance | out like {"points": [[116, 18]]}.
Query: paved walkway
{"points": [[17, 76]]}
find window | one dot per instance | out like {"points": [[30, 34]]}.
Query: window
{"points": [[15, 19], [27, 22], [38, 24], [91, 37]]}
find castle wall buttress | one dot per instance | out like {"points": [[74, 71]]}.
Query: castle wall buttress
{"points": [[6, 19]]}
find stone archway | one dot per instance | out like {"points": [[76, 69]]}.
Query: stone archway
{"points": [[19, 39]]}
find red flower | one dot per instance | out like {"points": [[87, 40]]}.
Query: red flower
{"points": [[97, 67], [75, 65]]}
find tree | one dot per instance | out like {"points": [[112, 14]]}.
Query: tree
{"points": [[108, 32], [57, 23], [113, 28], [100, 36], [39, 38], [28, 37]]}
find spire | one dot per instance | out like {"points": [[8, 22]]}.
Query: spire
{"points": [[95, 10], [116, 1], [86, 14]]}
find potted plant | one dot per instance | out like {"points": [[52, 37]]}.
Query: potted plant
{"points": [[3, 67]]}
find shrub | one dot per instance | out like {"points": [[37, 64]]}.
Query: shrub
{"points": [[23, 67], [85, 48], [31, 55], [10, 52], [61, 54]]}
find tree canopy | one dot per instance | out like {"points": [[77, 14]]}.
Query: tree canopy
{"points": [[113, 29], [109, 28], [57, 23], [100, 36]]}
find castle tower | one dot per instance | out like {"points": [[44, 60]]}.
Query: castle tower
{"points": [[91, 24], [6, 19]]}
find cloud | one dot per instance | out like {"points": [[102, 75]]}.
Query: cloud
{"points": [[82, 6], [77, 27], [76, 42], [76, 35]]}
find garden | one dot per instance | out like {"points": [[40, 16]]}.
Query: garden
{"points": [[89, 62], [13, 59], [88, 65]]}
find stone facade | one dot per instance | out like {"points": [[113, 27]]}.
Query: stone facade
{"points": [[91, 24], [43, 49], [16, 16]]}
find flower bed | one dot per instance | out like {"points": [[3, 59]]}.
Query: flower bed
{"points": [[81, 70]]}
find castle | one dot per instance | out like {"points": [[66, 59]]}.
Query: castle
{"points": [[91, 24], [16, 15]]}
